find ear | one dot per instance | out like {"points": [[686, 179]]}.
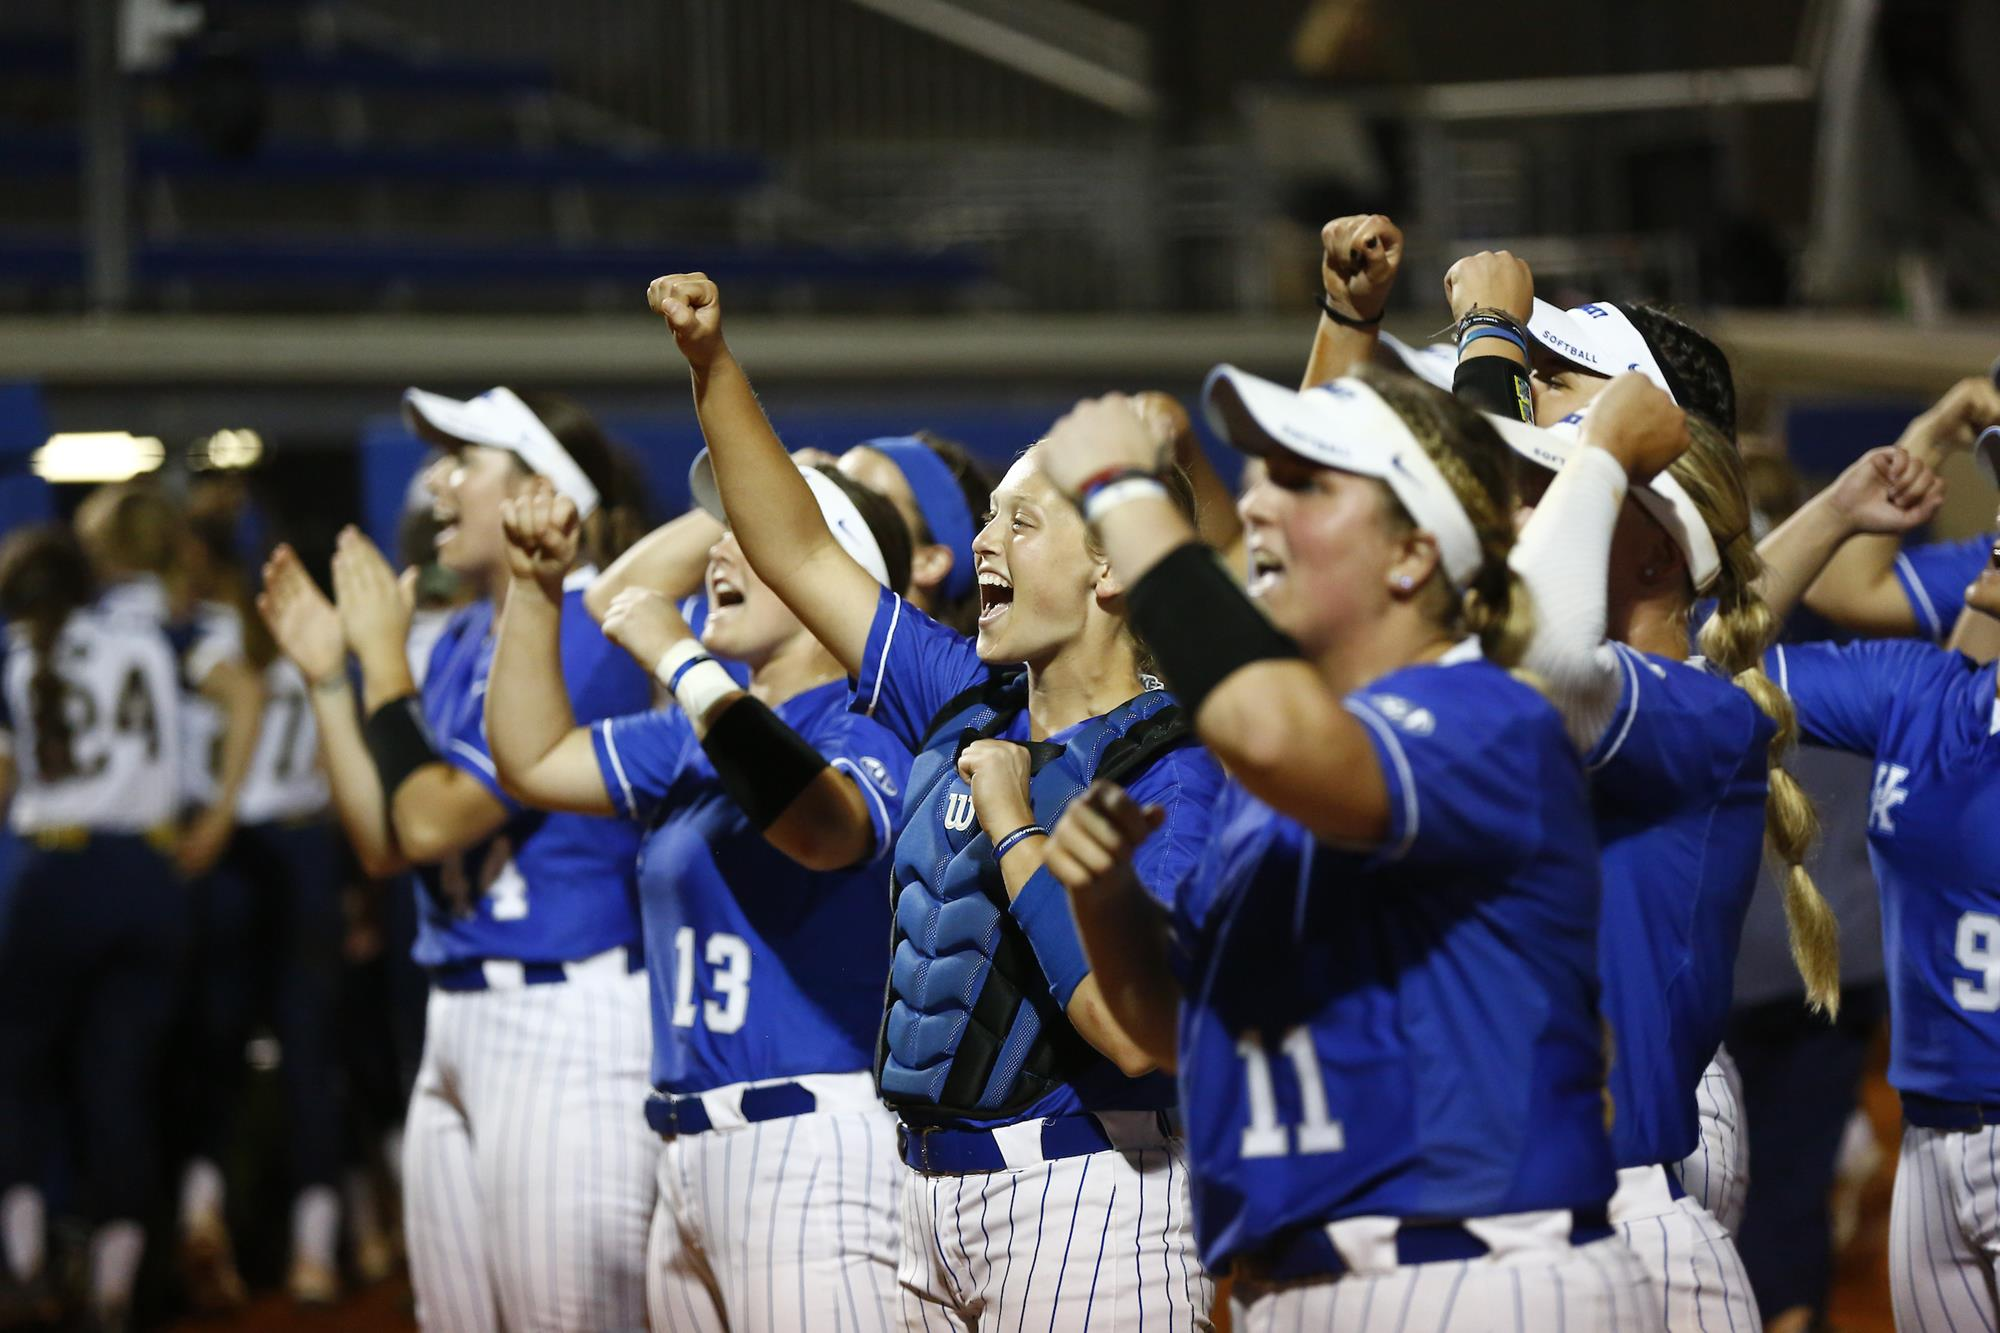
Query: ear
{"points": [[931, 566], [1661, 564], [1107, 587], [1410, 572]]}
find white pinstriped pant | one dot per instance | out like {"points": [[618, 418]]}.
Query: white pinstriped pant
{"points": [[1944, 1231], [1547, 1287], [1100, 1243], [1698, 1278], [1717, 1172], [783, 1226], [527, 1163]]}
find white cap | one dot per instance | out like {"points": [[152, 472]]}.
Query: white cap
{"points": [[499, 420], [1664, 498], [1435, 364], [1598, 337], [1345, 425], [1986, 453], [849, 528]]}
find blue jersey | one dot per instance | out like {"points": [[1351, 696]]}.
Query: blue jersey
{"points": [[1678, 787], [547, 888], [1927, 718], [913, 667], [1935, 576], [1409, 1030], [761, 969]]}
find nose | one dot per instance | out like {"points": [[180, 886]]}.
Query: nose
{"points": [[1255, 505], [986, 540], [437, 477]]}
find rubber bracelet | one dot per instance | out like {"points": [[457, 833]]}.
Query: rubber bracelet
{"points": [[1340, 317], [1015, 839], [1107, 498], [1097, 481], [1494, 316], [696, 680], [1491, 331]]}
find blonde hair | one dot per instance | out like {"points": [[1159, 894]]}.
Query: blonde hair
{"points": [[1477, 466], [1735, 638]]}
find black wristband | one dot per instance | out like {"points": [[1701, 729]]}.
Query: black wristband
{"points": [[1327, 308], [1495, 384], [398, 742], [762, 762], [1198, 623], [1494, 317]]}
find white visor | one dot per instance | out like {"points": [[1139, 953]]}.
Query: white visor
{"points": [[499, 420], [1435, 364], [849, 528], [1597, 337], [1345, 425], [1663, 498], [1986, 452]]}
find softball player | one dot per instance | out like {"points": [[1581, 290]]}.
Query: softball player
{"points": [[89, 754], [527, 1175], [1388, 1046], [1047, 1179], [1927, 718], [761, 894]]}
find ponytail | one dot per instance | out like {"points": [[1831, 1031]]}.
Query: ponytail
{"points": [[44, 580], [1734, 639]]}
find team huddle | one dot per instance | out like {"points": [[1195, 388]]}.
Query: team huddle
{"points": [[890, 896]]}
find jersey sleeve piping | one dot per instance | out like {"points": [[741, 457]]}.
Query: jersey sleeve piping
{"points": [[882, 822], [882, 660], [1609, 751], [1919, 597], [1405, 778], [622, 797]]}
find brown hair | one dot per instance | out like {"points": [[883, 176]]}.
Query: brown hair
{"points": [[620, 517], [1734, 639], [132, 527], [45, 578], [1478, 467]]}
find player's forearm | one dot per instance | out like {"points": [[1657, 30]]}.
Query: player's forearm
{"points": [[1337, 350], [385, 675], [826, 827], [1125, 938], [1858, 589], [438, 810], [1563, 555], [669, 560], [240, 693], [1282, 733], [527, 704], [1797, 550], [353, 781], [1975, 634]]}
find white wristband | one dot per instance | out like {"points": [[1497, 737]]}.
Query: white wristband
{"points": [[696, 680], [1117, 493]]}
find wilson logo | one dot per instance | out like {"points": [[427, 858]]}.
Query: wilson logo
{"points": [[958, 811]]}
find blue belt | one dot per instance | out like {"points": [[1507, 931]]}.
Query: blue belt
{"points": [[671, 1116], [1936, 1113], [1311, 1253], [471, 975], [964, 1152]]}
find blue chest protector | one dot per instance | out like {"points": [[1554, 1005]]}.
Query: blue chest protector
{"points": [[972, 1029]]}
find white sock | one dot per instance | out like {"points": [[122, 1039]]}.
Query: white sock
{"points": [[315, 1225], [115, 1250], [201, 1191], [21, 1225]]}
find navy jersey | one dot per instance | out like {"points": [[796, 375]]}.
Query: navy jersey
{"points": [[1935, 576], [913, 667], [122, 696], [1678, 787], [761, 969], [1927, 718], [548, 888], [1410, 1030]]}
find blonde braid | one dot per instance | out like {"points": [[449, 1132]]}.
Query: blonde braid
{"points": [[1734, 639]]}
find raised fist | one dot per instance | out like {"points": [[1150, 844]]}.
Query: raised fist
{"points": [[1492, 279], [692, 307], [542, 530], [1358, 262], [1096, 435], [1636, 422], [645, 624], [1887, 490], [1955, 420]]}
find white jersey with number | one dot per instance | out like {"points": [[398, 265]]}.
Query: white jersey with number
{"points": [[285, 780], [213, 636], [123, 701]]}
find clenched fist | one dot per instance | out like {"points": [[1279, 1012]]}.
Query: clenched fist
{"points": [[692, 307], [1492, 279], [542, 530], [1637, 423], [1358, 262]]}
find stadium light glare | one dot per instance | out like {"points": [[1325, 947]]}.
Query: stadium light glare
{"points": [[227, 451], [96, 456]]}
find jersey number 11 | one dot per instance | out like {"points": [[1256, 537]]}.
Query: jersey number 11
{"points": [[1265, 1136]]}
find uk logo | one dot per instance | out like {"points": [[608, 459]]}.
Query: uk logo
{"points": [[958, 811], [1888, 794], [878, 772]]}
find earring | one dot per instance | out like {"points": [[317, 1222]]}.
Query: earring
{"points": [[1649, 573], [1405, 582]]}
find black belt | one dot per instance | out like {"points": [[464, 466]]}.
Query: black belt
{"points": [[1937, 1113], [1311, 1253]]}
